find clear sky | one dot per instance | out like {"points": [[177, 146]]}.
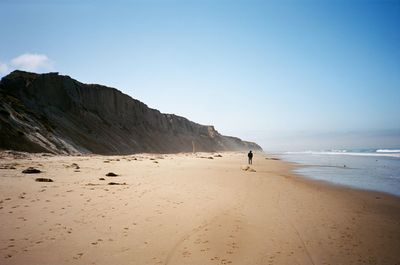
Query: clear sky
{"points": [[276, 72]]}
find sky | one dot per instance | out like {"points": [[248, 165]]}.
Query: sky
{"points": [[290, 75]]}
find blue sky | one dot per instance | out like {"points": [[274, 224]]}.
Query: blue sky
{"points": [[270, 71]]}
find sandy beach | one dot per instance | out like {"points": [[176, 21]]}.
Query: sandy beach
{"points": [[187, 209]]}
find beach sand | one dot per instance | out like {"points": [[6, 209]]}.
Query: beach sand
{"points": [[187, 209]]}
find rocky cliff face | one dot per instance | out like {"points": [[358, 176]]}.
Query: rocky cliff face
{"points": [[54, 113]]}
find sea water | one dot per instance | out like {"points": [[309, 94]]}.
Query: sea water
{"points": [[376, 169]]}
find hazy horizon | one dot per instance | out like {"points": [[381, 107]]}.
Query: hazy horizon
{"points": [[290, 75], [325, 141]]}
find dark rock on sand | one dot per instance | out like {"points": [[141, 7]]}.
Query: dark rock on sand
{"points": [[116, 183], [43, 180], [31, 170], [111, 174], [92, 184], [102, 179]]}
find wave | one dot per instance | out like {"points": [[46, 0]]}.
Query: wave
{"points": [[338, 151], [378, 154], [388, 151]]}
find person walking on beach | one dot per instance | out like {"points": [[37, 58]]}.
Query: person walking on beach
{"points": [[250, 156]]}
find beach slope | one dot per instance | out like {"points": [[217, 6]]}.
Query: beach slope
{"points": [[186, 209]]}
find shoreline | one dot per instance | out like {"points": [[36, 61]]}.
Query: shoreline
{"points": [[298, 165], [300, 178], [188, 209], [333, 185]]}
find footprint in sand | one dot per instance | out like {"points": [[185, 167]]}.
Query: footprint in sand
{"points": [[78, 256]]}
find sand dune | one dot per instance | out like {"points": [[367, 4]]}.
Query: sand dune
{"points": [[184, 209]]}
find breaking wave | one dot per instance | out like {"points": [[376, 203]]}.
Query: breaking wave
{"points": [[381, 153], [388, 151]]}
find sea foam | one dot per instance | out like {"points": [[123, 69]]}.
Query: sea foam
{"points": [[345, 152], [388, 151]]}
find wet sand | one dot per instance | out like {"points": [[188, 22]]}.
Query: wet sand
{"points": [[187, 209]]}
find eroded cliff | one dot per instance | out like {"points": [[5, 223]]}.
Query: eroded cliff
{"points": [[55, 113]]}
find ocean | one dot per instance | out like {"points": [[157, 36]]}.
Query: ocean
{"points": [[368, 169]]}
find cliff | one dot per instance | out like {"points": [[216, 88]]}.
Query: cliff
{"points": [[55, 113]]}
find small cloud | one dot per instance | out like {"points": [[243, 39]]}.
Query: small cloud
{"points": [[32, 62]]}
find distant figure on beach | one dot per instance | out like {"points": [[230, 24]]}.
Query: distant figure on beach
{"points": [[250, 155]]}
